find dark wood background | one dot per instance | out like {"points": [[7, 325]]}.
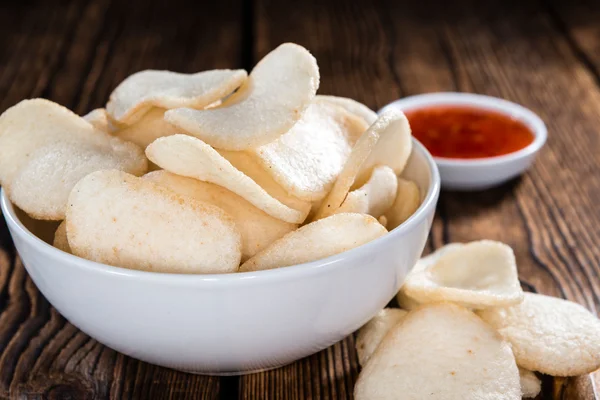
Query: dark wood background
{"points": [[542, 54]]}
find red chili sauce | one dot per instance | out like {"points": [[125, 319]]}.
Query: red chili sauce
{"points": [[467, 132]]}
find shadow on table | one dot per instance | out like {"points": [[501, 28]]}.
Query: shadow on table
{"points": [[467, 204]]}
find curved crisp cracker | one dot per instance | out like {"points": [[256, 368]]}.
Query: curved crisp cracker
{"points": [[99, 120], [393, 149], [42, 186], [550, 335], [361, 151], [408, 303], [531, 385], [317, 240], [476, 275], [306, 160], [118, 219], [244, 162], [29, 125], [375, 196], [165, 89], [440, 351], [372, 333], [407, 201], [350, 105], [268, 104], [383, 221], [60, 238], [405, 302], [191, 157], [148, 128], [45, 149], [258, 229]]}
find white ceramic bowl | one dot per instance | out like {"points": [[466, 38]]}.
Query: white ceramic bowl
{"points": [[233, 323], [480, 173]]}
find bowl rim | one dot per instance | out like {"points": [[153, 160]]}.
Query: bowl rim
{"points": [[291, 271], [509, 108]]}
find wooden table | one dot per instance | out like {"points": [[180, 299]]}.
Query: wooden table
{"points": [[542, 54]]}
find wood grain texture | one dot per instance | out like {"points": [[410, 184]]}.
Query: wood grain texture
{"points": [[543, 54]]}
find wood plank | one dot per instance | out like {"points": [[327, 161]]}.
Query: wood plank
{"points": [[577, 20], [347, 39], [75, 53], [329, 374], [33, 45]]}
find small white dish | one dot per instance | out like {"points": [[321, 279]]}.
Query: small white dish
{"points": [[480, 173], [230, 323]]}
